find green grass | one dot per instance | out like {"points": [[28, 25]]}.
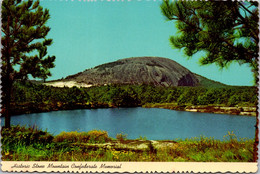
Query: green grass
{"points": [[25, 144]]}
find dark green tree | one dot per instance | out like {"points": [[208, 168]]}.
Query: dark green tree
{"points": [[226, 31], [24, 46]]}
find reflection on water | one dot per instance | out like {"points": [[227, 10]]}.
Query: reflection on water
{"points": [[153, 123]]}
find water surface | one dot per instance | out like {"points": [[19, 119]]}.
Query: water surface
{"points": [[152, 123]]}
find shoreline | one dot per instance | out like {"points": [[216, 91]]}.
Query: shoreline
{"points": [[30, 108], [234, 110], [97, 145]]}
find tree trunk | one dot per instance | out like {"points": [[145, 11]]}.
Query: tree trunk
{"points": [[7, 108], [7, 113], [7, 89], [7, 78]]}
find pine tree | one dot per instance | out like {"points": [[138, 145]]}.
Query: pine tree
{"points": [[24, 46], [226, 31]]}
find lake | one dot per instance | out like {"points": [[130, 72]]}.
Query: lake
{"points": [[152, 123]]}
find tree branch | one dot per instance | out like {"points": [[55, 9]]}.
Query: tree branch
{"points": [[3, 31], [245, 22], [245, 8]]}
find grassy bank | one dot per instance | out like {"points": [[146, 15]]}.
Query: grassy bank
{"points": [[30, 144]]}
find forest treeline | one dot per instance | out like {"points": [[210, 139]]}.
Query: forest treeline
{"points": [[29, 97]]}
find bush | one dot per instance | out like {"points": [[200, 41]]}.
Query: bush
{"points": [[72, 137], [98, 136], [94, 136], [121, 137]]}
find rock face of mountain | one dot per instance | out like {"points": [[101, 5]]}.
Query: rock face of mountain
{"points": [[140, 70]]}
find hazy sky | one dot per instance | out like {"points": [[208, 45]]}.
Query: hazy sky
{"points": [[87, 34]]}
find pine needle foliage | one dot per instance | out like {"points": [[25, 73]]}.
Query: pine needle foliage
{"points": [[227, 31], [24, 45]]}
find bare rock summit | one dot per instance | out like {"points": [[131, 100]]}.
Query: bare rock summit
{"points": [[139, 70]]}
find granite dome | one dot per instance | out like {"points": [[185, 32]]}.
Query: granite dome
{"points": [[138, 70]]}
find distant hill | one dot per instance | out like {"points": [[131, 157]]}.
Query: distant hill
{"points": [[156, 71], [203, 81]]}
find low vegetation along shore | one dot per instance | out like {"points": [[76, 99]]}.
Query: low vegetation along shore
{"points": [[32, 98], [30, 144], [218, 109]]}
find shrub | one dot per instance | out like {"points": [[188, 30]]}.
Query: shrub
{"points": [[71, 137], [144, 138], [98, 136], [94, 136], [121, 137]]}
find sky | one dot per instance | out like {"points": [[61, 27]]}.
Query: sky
{"points": [[89, 33]]}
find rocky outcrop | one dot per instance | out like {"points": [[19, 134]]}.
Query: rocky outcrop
{"points": [[234, 110], [151, 146], [140, 70]]}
